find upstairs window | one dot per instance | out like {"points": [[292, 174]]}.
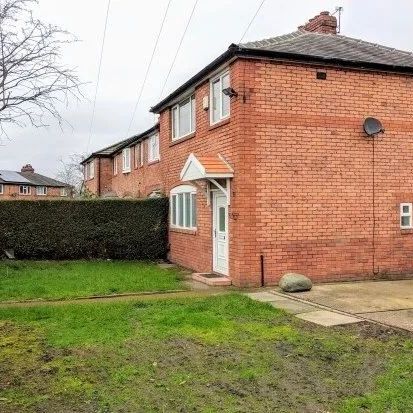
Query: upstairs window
{"points": [[183, 118], [406, 216], [115, 165], [1, 189], [220, 103], [41, 190], [126, 160], [183, 207], [24, 190], [63, 192], [153, 148], [90, 170]]}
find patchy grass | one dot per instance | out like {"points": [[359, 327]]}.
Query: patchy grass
{"points": [[24, 280], [223, 353]]}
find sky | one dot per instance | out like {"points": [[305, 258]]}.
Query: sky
{"points": [[131, 32]]}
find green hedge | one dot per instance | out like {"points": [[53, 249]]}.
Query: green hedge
{"points": [[67, 229]]}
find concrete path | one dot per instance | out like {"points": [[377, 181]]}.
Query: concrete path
{"points": [[386, 302], [303, 310]]}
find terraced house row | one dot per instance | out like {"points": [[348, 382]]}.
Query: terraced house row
{"points": [[268, 167]]}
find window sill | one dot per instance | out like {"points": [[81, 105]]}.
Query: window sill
{"points": [[183, 230], [183, 139], [126, 172], [405, 231], [219, 124], [154, 162]]}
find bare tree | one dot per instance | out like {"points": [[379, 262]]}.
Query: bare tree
{"points": [[33, 81], [71, 172]]}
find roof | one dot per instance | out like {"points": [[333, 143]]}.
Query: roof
{"points": [[204, 167], [116, 147], [29, 178], [334, 46], [307, 47]]}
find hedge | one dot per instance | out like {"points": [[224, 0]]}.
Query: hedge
{"points": [[69, 229]]}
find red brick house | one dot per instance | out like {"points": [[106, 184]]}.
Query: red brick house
{"points": [[29, 185], [267, 166]]}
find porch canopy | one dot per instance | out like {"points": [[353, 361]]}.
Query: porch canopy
{"points": [[210, 169]]}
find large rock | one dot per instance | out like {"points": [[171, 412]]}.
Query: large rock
{"points": [[293, 283]]}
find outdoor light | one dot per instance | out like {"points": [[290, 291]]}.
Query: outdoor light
{"points": [[229, 91]]}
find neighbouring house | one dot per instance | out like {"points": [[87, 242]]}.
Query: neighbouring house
{"points": [[27, 184], [266, 164]]}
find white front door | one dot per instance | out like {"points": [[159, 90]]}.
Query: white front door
{"points": [[220, 233]]}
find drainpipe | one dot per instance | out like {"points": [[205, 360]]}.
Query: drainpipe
{"points": [[262, 270]]}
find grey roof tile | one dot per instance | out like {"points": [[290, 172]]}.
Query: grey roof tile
{"points": [[29, 178], [333, 46]]}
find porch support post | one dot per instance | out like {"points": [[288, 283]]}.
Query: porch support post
{"points": [[225, 191]]}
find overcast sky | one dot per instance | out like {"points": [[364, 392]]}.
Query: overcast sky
{"points": [[132, 29]]}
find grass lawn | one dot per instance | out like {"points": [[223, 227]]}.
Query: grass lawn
{"points": [[24, 280], [217, 354]]}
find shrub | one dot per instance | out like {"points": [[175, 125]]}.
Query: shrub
{"points": [[67, 229]]}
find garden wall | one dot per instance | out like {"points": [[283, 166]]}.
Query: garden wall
{"points": [[67, 229]]}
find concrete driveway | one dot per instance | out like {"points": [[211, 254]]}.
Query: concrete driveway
{"points": [[388, 302]]}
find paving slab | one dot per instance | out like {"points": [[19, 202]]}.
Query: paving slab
{"points": [[263, 296], [292, 306], [401, 319], [362, 297], [328, 318]]}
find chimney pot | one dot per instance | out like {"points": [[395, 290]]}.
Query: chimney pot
{"points": [[27, 168], [323, 23]]}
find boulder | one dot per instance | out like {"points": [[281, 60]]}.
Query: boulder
{"points": [[293, 283]]}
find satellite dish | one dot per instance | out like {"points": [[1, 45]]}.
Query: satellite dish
{"points": [[372, 126]]}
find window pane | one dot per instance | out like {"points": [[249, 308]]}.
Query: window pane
{"points": [[173, 215], [185, 118], [215, 100], [406, 221], [406, 209], [187, 197], [181, 210], [225, 99], [222, 223], [175, 122], [193, 120], [193, 204]]}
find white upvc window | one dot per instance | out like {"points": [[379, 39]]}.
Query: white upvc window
{"points": [[24, 190], [183, 207], [138, 154], [153, 148], [1, 189], [406, 215], [126, 160], [183, 118], [219, 103], [41, 190], [63, 191], [115, 165]]}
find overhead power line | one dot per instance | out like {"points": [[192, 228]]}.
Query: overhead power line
{"points": [[252, 20], [178, 49], [98, 77], [149, 66]]}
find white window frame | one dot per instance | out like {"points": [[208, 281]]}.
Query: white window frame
{"points": [[41, 190], [406, 214], [221, 117], [192, 117], [92, 169], [1, 189], [25, 190], [153, 148], [174, 203], [115, 165], [63, 191], [126, 158]]}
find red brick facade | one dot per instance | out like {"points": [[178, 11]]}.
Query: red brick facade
{"points": [[302, 196], [11, 192]]}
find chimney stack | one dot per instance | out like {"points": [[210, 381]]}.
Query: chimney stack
{"points": [[323, 23], [27, 168]]}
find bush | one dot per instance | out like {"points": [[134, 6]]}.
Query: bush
{"points": [[67, 229]]}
